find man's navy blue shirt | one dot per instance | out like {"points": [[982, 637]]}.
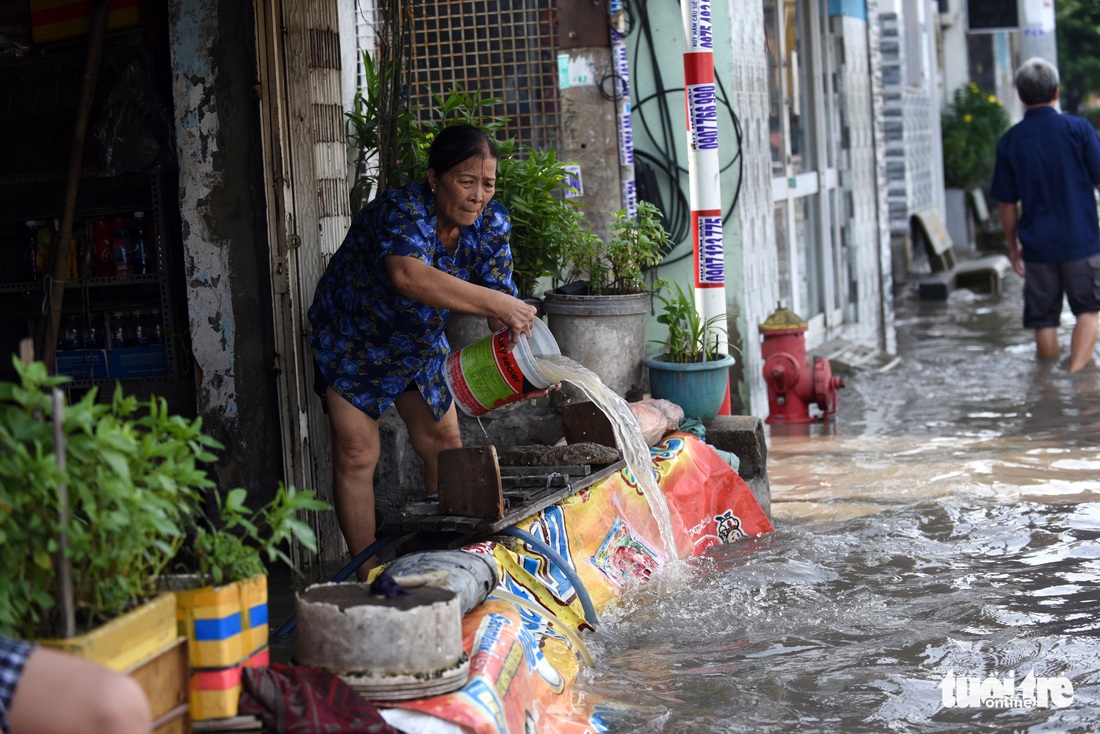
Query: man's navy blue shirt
{"points": [[1050, 163]]}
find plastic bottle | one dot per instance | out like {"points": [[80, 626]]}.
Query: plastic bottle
{"points": [[156, 330], [101, 245], [118, 331], [120, 248], [70, 333], [141, 329], [140, 264], [31, 257]]}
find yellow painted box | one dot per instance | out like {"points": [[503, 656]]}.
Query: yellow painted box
{"points": [[216, 694], [59, 20], [223, 625], [226, 629], [130, 639]]}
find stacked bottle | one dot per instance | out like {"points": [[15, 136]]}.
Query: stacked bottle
{"points": [[137, 328]]}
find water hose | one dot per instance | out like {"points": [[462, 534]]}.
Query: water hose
{"points": [[554, 557], [342, 575], [568, 632]]}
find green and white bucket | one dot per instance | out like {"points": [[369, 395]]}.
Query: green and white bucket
{"points": [[485, 375]]}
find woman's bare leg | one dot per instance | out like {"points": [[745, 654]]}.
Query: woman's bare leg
{"points": [[428, 437], [355, 449]]}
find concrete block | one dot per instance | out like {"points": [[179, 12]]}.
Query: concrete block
{"points": [[743, 435], [984, 275]]}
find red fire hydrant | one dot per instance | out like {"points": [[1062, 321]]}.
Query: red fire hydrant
{"points": [[792, 384]]}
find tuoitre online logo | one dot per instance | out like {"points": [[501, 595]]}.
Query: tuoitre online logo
{"points": [[1004, 693]]}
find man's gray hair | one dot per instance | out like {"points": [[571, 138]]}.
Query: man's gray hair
{"points": [[1036, 81]]}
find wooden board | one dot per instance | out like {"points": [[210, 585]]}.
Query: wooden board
{"points": [[165, 680], [469, 482], [581, 422]]}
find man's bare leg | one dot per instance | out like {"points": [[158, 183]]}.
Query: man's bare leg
{"points": [[1046, 342], [1084, 341], [355, 450]]}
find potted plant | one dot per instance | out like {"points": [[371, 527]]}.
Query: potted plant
{"points": [[84, 539], [599, 316], [691, 372], [222, 607], [970, 129]]}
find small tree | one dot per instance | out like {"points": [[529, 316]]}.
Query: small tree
{"points": [[971, 129]]}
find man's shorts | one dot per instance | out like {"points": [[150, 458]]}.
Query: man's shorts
{"points": [[1047, 283], [13, 656]]}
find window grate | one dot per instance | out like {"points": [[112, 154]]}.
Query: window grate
{"points": [[497, 48]]}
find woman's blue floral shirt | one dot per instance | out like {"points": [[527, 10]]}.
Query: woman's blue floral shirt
{"points": [[370, 341]]}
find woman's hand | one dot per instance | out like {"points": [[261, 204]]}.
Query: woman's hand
{"points": [[517, 316]]}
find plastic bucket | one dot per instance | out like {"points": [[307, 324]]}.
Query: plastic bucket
{"points": [[484, 375]]}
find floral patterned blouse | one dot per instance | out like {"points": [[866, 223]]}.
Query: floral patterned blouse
{"points": [[371, 342]]}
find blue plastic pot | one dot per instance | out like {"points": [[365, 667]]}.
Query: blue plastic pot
{"points": [[697, 387]]}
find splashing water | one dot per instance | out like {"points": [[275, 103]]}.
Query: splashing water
{"points": [[628, 434]]}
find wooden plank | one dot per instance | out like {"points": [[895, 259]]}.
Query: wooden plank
{"points": [[524, 511], [166, 682], [581, 422], [469, 482]]}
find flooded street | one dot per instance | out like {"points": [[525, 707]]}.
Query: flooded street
{"points": [[935, 565]]}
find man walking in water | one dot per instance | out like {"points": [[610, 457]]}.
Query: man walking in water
{"points": [[1049, 163]]}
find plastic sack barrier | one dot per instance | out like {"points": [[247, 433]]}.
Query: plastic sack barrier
{"points": [[521, 667]]}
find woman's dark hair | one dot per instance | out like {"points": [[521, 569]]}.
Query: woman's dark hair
{"points": [[1036, 81], [455, 144]]}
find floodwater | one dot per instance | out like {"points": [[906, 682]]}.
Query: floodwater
{"points": [[940, 539]]}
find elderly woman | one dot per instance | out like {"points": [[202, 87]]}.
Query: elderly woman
{"points": [[412, 256]]}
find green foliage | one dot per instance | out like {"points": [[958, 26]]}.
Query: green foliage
{"points": [[617, 267], [234, 546], [971, 129], [544, 224], [690, 338], [134, 479], [405, 159], [1078, 27]]}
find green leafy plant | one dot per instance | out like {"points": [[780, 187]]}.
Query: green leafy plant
{"points": [[971, 128], [135, 480], [390, 139], [545, 225], [690, 337], [616, 268], [235, 545]]}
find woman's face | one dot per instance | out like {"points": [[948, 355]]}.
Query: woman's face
{"points": [[463, 191]]}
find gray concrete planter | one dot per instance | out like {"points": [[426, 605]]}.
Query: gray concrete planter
{"points": [[606, 334]]}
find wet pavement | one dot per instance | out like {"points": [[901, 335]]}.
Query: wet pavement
{"points": [[943, 530]]}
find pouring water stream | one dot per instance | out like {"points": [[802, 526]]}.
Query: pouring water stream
{"points": [[628, 435]]}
